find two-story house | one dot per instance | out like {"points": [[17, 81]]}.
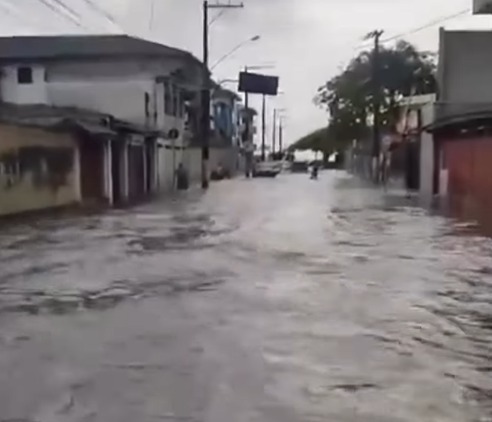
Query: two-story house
{"points": [[225, 135], [141, 85]]}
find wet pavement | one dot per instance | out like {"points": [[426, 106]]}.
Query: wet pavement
{"points": [[266, 300]]}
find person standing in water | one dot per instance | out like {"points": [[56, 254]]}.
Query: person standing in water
{"points": [[182, 181]]}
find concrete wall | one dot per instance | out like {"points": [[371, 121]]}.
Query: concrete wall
{"points": [[465, 72], [123, 99], [38, 170], [13, 92], [227, 157], [120, 88], [467, 163], [427, 154], [116, 87]]}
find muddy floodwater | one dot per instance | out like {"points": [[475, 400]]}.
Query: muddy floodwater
{"points": [[280, 300]]}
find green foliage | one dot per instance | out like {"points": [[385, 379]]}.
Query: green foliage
{"points": [[349, 96], [320, 140]]}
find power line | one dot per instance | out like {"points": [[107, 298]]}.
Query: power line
{"points": [[58, 11], [67, 8], [151, 19], [428, 25], [217, 17], [103, 12]]}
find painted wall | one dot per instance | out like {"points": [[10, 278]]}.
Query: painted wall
{"points": [[123, 99], [227, 157], [427, 154], [13, 92], [169, 159], [464, 72], [469, 173], [122, 88], [38, 170]]}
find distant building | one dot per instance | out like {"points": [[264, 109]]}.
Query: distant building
{"points": [[225, 135]]}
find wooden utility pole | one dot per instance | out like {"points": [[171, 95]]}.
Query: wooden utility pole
{"points": [[376, 92], [280, 137], [205, 103], [246, 106], [274, 134], [263, 129]]}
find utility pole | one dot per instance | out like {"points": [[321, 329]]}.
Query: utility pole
{"points": [[263, 129], [274, 134], [205, 103], [280, 136], [376, 87], [246, 106]]}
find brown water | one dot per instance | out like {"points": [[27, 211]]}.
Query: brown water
{"points": [[266, 300]]}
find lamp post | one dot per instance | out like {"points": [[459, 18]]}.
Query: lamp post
{"points": [[276, 116], [205, 97], [235, 49]]}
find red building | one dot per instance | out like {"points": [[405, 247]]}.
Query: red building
{"points": [[463, 163]]}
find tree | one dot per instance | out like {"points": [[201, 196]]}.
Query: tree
{"points": [[348, 97], [321, 140]]}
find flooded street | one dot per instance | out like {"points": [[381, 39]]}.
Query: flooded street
{"points": [[280, 300]]}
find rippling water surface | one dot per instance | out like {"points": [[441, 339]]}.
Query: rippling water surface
{"points": [[266, 300]]}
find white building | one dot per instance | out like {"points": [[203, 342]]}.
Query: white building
{"points": [[417, 112], [133, 80]]}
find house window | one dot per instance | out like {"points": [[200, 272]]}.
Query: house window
{"points": [[24, 75], [175, 107], [147, 104], [181, 105], [168, 99]]}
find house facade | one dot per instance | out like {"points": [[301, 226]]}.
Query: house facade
{"points": [[417, 112], [140, 85], [38, 169], [462, 127], [225, 136], [41, 145]]}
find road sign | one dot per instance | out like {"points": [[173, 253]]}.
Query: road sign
{"points": [[482, 7], [255, 83]]}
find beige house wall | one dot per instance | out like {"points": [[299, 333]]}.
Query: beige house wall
{"points": [[38, 169]]}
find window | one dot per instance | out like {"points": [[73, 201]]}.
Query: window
{"points": [[167, 99], [24, 75], [175, 107], [181, 105], [147, 104]]}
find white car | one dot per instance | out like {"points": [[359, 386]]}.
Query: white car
{"points": [[267, 169]]}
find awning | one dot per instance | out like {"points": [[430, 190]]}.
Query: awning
{"points": [[94, 128], [458, 120]]}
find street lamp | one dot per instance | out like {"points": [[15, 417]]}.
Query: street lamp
{"points": [[230, 53], [276, 116], [205, 97]]}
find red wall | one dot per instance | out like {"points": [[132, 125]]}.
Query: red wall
{"points": [[469, 162]]}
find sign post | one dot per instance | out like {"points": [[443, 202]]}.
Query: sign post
{"points": [[254, 83]]}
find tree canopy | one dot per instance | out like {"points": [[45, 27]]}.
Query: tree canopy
{"points": [[320, 140], [348, 97]]}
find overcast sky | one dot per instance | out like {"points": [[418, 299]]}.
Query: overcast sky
{"points": [[306, 40]]}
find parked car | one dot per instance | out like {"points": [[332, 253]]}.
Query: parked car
{"points": [[267, 169]]}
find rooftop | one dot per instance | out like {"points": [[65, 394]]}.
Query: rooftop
{"points": [[20, 48]]}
